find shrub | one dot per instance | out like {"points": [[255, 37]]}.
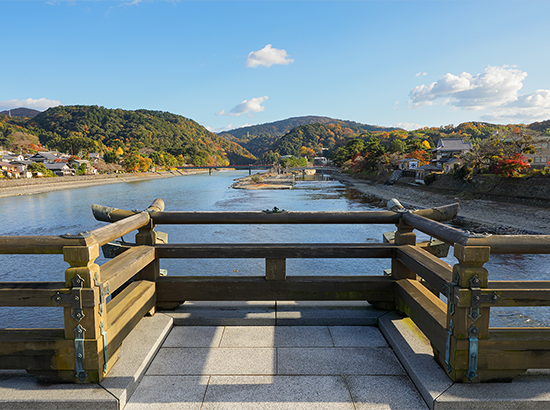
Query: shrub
{"points": [[428, 179]]}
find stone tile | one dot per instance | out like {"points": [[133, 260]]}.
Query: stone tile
{"points": [[357, 336], [524, 392], [224, 314], [248, 336], [415, 353], [26, 393], [135, 355], [221, 361], [278, 392], [194, 336], [302, 336], [384, 393], [327, 313], [169, 392], [328, 361]]}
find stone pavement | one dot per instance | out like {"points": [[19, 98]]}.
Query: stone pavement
{"points": [[268, 355]]}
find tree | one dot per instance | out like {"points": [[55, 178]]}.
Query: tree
{"points": [[110, 157], [38, 167]]}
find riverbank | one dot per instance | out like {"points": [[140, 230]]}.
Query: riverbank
{"points": [[475, 214], [35, 186]]}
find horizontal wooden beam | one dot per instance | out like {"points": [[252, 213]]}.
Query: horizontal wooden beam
{"points": [[276, 250], [40, 294], [432, 269], [505, 297], [108, 233], [182, 288], [514, 244], [438, 230], [427, 311], [122, 268], [37, 244]]}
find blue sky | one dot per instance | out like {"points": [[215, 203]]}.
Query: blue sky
{"points": [[228, 64]]}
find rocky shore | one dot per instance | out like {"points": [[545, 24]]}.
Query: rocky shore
{"points": [[475, 214]]}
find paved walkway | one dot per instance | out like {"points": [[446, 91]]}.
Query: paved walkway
{"points": [[276, 355], [275, 367]]}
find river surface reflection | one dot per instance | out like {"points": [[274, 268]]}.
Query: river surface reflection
{"points": [[69, 211]]}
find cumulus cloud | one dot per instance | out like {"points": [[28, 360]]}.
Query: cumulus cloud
{"points": [[527, 108], [495, 91], [267, 57], [217, 130], [494, 87], [409, 126], [39, 104], [246, 107]]}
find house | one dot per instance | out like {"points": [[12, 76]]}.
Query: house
{"points": [[60, 168], [320, 161], [451, 164], [542, 152], [9, 170], [448, 148], [424, 170], [23, 168], [45, 156], [94, 156], [408, 163]]}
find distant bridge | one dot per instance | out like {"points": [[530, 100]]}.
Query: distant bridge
{"points": [[245, 167], [322, 168]]}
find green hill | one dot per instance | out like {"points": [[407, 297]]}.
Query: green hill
{"points": [[112, 128]]}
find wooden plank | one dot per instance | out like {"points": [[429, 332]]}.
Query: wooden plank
{"points": [[519, 284], [40, 294], [435, 271], [276, 250], [506, 297], [289, 217], [115, 230], [427, 311], [127, 309], [119, 270], [371, 288], [36, 244]]}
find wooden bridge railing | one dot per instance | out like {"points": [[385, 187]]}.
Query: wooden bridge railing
{"points": [[102, 304]]}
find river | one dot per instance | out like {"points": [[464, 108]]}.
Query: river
{"points": [[69, 211]]}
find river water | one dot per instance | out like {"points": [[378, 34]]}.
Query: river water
{"points": [[69, 211]]}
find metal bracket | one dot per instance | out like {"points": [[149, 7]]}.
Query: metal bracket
{"points": [[478, 299], [80, 235], [74, 298], [275, 210], [448, 291], [104, 291], [448, 350], [473, 333], [79, 352], [469, 234], [105, 345]]}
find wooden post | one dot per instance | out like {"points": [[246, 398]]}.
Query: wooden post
{"points": [[83, 324], [275, 268], [403, 236], [147, 236], [466, 325]]}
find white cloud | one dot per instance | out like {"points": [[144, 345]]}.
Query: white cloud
{"points": [[267, 57], [40, 104], [217, 130], [246, 107], [494, 87], [409, 126], [420, 74], [496, 91], [527, 108]]}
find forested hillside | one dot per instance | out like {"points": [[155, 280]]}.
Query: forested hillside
{"points": [[259, 139], [91, 128]]}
